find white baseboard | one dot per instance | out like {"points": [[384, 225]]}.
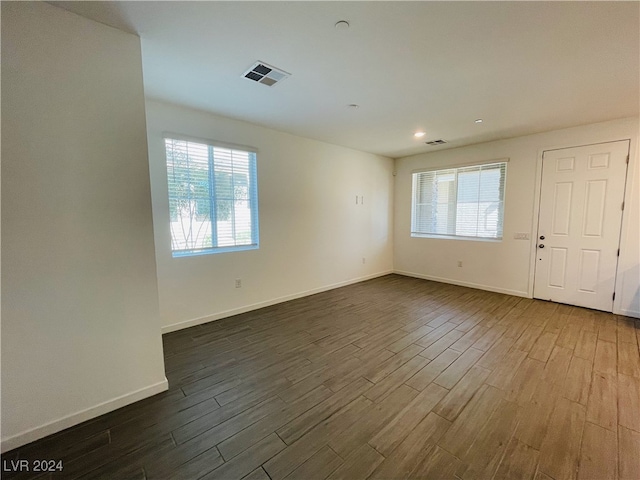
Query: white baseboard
{"points": [[517, 293], [490, 288], [628, 313], [75, 418], [267, 303]]}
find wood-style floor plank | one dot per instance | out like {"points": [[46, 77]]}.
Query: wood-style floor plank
{"points": [[599, 456], [519, 462], [403, 459], [578, 381], [305, 422], [359, 465], [458, 397], [536, 415], [483, 457], [239, 442], [300, 451], [605, 358], [523, 383], [629, 402], [401, 357], [437, 463], [195, 467], [543, 346], [628, 358], [374, 420], [464, 429], [320, 465], [428, 373], [392, 378], [560, 451], [257, 474], [242, 465], [399, 427], [556, 369], [602, 407], [628, 458], [454, 372], [586, 345]]}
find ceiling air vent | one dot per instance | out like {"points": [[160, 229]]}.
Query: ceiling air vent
{"points": [[436, 142], [265, 74]]}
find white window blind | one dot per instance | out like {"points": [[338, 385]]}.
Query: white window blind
{"points": [[464, 202], [213, 198]]}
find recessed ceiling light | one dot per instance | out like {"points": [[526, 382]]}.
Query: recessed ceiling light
{"points": [[479, 120], [419, 134], [342, 25]]}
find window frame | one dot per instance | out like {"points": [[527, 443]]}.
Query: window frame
{"points": [[456, 168], [252, 193]]}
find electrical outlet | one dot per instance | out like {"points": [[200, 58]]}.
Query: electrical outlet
{"points": [[238, 283], [459, 263], [521, 236]]}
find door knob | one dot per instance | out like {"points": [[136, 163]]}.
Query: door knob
{"points": [[541, 245], [541, 237]]}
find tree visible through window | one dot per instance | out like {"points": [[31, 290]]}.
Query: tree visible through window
{"points": [[213, 203], [464, 202]]}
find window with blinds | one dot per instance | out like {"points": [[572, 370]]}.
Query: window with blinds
{"points": [[459, 202], [213, 198]]}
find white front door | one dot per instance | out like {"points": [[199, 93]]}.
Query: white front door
{"points": [[579, 224]]}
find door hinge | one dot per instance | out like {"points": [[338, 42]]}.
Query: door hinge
{"points": [[614, 296], [618, 252], [627, 159], [622, 205]]}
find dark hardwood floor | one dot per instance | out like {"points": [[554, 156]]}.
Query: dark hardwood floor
{"points": [[391, 378]]}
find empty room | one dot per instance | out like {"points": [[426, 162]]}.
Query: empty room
{"points": [[320, 240]]}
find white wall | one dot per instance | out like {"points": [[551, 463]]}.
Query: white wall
{"points": [[80, 321], [313, 236], [507, 266]]}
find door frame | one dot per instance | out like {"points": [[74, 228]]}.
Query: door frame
{"points": [[617, 302]]}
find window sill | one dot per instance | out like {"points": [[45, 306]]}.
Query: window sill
{"points": [[213, 251], [456, 237]]}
